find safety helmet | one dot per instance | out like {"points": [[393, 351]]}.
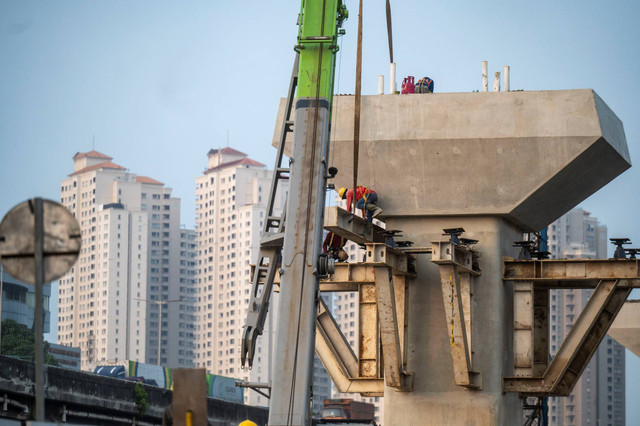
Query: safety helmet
{"points": [[247, 423], [341, 192]]}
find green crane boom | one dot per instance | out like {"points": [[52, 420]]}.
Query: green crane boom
{"points": [[320, 25]]}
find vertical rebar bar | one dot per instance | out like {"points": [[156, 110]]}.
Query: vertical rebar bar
{"points": [[38, 326]]}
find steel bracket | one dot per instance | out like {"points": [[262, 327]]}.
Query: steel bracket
{"points": [[458, 266], [613, 280], [381, 285]]}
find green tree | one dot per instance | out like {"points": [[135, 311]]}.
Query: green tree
{"points": [[19, 341], [140, 398]]}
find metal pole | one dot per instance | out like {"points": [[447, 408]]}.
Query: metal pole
{"points": [[160, 332], [38, 329], [160, 303], [356, 112]]}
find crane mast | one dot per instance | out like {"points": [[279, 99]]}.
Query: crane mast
{"points": [[294, 247], [292, 373]]}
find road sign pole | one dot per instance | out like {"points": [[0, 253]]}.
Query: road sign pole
{"points": [[38, 328], [23, 247]]}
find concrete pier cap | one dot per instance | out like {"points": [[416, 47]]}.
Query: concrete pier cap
{"points": [[526, 156], [496, 164]]}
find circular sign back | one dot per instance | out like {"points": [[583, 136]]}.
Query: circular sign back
{"points": [[62, 240]]}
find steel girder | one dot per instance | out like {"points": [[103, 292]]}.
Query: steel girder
{"points": [[613, 280]]}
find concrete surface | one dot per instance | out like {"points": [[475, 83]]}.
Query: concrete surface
{"points": [[435, 396], [626, 327], [527, 156]]}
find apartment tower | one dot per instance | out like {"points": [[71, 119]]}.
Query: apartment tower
{"points": [[129, 269], [231, 199]]}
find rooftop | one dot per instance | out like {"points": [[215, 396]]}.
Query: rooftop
{"points": [[145, 179], [244, 161], [91, 154], [104, 165]]}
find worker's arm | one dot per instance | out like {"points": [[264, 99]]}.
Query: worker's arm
{"points": [[325, 244], [349, 199]]}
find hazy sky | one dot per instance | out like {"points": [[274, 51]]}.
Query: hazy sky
{"points": [[156, 84]]}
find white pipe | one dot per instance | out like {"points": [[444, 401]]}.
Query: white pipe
{"points": [[507, 83], [485, 78], [496, 82], [381, 85], [392, 79]]}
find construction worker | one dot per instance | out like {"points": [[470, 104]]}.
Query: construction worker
{"points": [[366, 200], [247, 423], [333, 245]]}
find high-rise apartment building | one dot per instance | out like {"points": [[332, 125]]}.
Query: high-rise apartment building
{"points": [[231, 199], [599, 396], [128, 270]]}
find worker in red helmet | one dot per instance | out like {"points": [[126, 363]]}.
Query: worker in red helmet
{"points": [[333, 245], [366, 200]]}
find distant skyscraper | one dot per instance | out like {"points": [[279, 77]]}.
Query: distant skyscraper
{"points": [[130, 258], [231, 199], [599, 396]]}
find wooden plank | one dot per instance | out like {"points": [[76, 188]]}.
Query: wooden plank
{"points": [[189, 396]]}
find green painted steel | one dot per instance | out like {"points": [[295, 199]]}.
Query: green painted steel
{"points": [[319, 27]]}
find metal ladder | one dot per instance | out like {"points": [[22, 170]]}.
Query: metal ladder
{"points": [[269, 256]]}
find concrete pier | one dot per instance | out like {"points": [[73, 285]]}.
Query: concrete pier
{"points": [[497, 165]]}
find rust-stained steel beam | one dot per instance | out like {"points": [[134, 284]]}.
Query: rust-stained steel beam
{"points": [[447, 252], [381, 285], [458, 266], [347, 276], [399, 262], [369, 343], [579, 346], [329, 331], [531, 329], [390, 329], [588, 272], [339, 360], [382, 312], [457, 307]]}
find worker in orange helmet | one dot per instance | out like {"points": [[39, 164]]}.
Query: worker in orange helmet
{"points": [[247, 423], [366, 200], [333, 245]]}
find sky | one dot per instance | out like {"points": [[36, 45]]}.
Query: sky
{"points": [[156, 84]]}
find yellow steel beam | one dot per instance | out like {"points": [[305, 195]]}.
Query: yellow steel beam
{"points": [[587, 271]]}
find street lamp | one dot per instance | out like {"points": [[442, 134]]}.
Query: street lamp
{"points": [[160, 303]]}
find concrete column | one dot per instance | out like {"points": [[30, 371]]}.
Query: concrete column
{"points": [[429, 349]]}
